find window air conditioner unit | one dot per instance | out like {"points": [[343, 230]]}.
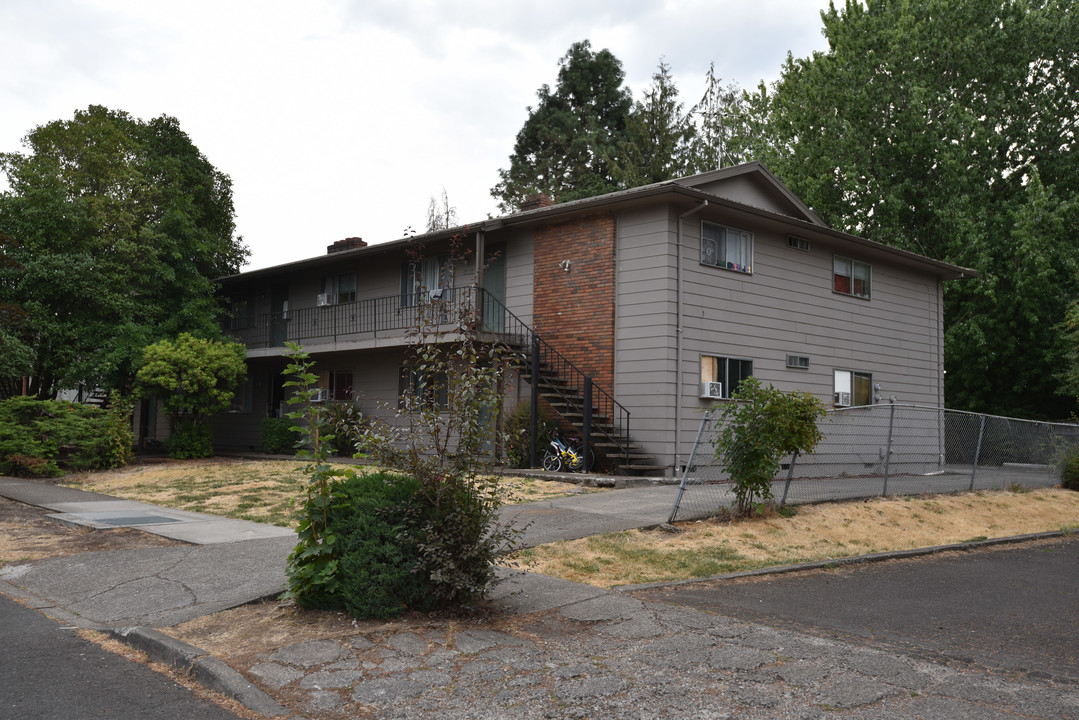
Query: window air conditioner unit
{"points": [[321, 395], [842, 398], [712, 390], [323, 300]]}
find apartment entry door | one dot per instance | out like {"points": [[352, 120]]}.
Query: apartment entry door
{"points": [[278, 315], [494, 282]]}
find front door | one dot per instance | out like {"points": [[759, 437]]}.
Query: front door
{"points": [[278, 315], [494, 282]]}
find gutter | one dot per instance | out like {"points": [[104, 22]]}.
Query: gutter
{"points": [[678, 333]]}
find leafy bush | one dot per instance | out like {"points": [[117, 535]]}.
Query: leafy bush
{"points": [[345, 421], [40, 437], [1069, 473], [426, 542], [278, 437], [518, 430], [761, 426], [188, 440], [194, 379], [373, 517]]}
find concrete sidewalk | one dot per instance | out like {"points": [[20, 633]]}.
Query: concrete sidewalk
{"points": [[233, 562], [578, 651]]}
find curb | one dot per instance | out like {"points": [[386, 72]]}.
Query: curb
{"points": [[204, 668], [852, 560]]}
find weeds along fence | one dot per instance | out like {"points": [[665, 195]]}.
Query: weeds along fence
{"points": [[891, 449]]}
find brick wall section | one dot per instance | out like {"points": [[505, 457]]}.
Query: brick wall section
{"points": [[574, 309]]}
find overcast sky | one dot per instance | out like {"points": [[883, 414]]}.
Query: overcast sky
{"points": [[341, 118]]}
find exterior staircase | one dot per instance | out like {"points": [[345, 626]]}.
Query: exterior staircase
{"points": [[581, 405]]}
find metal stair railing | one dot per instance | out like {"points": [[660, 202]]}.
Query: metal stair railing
{"points": [[597, 408]]}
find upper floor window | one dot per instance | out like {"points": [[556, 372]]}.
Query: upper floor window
{"points": [[725, 247], [421, 279], [338, 289], [721, 376], [851, 277]]}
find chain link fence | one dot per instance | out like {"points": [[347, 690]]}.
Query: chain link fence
{"points": [[891, 449]]}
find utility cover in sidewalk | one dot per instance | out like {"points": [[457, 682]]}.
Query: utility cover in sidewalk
{"points": [[122, 519]]}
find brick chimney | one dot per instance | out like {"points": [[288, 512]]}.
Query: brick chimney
{"points": [[534, 202], [347, 244]]}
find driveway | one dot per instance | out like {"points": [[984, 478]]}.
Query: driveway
{"points": [[1010, 608]]}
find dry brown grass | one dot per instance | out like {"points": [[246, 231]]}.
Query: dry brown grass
{"points": [[816, 532], [258, 490]]}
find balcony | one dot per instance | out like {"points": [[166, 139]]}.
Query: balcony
{"points": [[374, 322]]}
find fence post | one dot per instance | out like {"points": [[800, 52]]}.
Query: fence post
{"points": [[685, 474], [586, 430], [888, 450], [977, 452], [532, 456], [790, 473]]}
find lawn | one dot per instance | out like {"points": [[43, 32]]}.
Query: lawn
{"points": [[814, 532], [258, 490], [265, 490]]}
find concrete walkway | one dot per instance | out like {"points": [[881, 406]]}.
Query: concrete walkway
{"points": [[577, 651]]}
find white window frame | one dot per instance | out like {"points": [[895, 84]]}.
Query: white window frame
{"points": [[726, 248]]}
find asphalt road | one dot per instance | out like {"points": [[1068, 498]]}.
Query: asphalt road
{"points": [[1010, 608], [49, 672]]}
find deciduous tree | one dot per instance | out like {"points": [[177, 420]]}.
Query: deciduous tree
{"points": [[194, 379], [118, 227], [949, 129]]}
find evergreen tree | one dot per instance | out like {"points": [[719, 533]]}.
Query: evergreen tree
{"points": [[659, 134], [568, 146]]}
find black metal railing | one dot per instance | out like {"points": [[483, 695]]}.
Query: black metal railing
{"points": [[596, 408], [379, 317]]}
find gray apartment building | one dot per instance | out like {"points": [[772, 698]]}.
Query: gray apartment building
{"points": [[655, 301]]}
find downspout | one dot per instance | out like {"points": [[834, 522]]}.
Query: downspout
{"points": [[678, 333]]}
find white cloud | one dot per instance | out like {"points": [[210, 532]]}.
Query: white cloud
{"points": [[338, 118]]}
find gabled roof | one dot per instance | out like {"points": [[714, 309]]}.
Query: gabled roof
{"points": [[747, 189], [720, 182]]}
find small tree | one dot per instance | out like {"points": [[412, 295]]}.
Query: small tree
{"points": [[313, 565], [761, 426], [441, 434], [194, 379]]}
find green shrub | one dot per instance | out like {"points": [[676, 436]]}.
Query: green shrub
{"points": [[345, 421], [43, 437], [189, 440], [378, 563], [761, 425], [1069, 473], [278, 437], [518, 429]]}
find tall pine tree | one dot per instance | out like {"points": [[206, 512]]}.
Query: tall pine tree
{"points": [[568, 146]]}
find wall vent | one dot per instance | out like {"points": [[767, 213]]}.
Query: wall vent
{"points": [[798, 361], [798, 243]]}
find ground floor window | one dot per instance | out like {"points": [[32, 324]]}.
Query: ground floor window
{"points": [[726, 372], [433, 388], [242, 401], [853, 388], [339, 385]]}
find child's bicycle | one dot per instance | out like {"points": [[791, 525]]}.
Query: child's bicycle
{"points": [[566, 455]]}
